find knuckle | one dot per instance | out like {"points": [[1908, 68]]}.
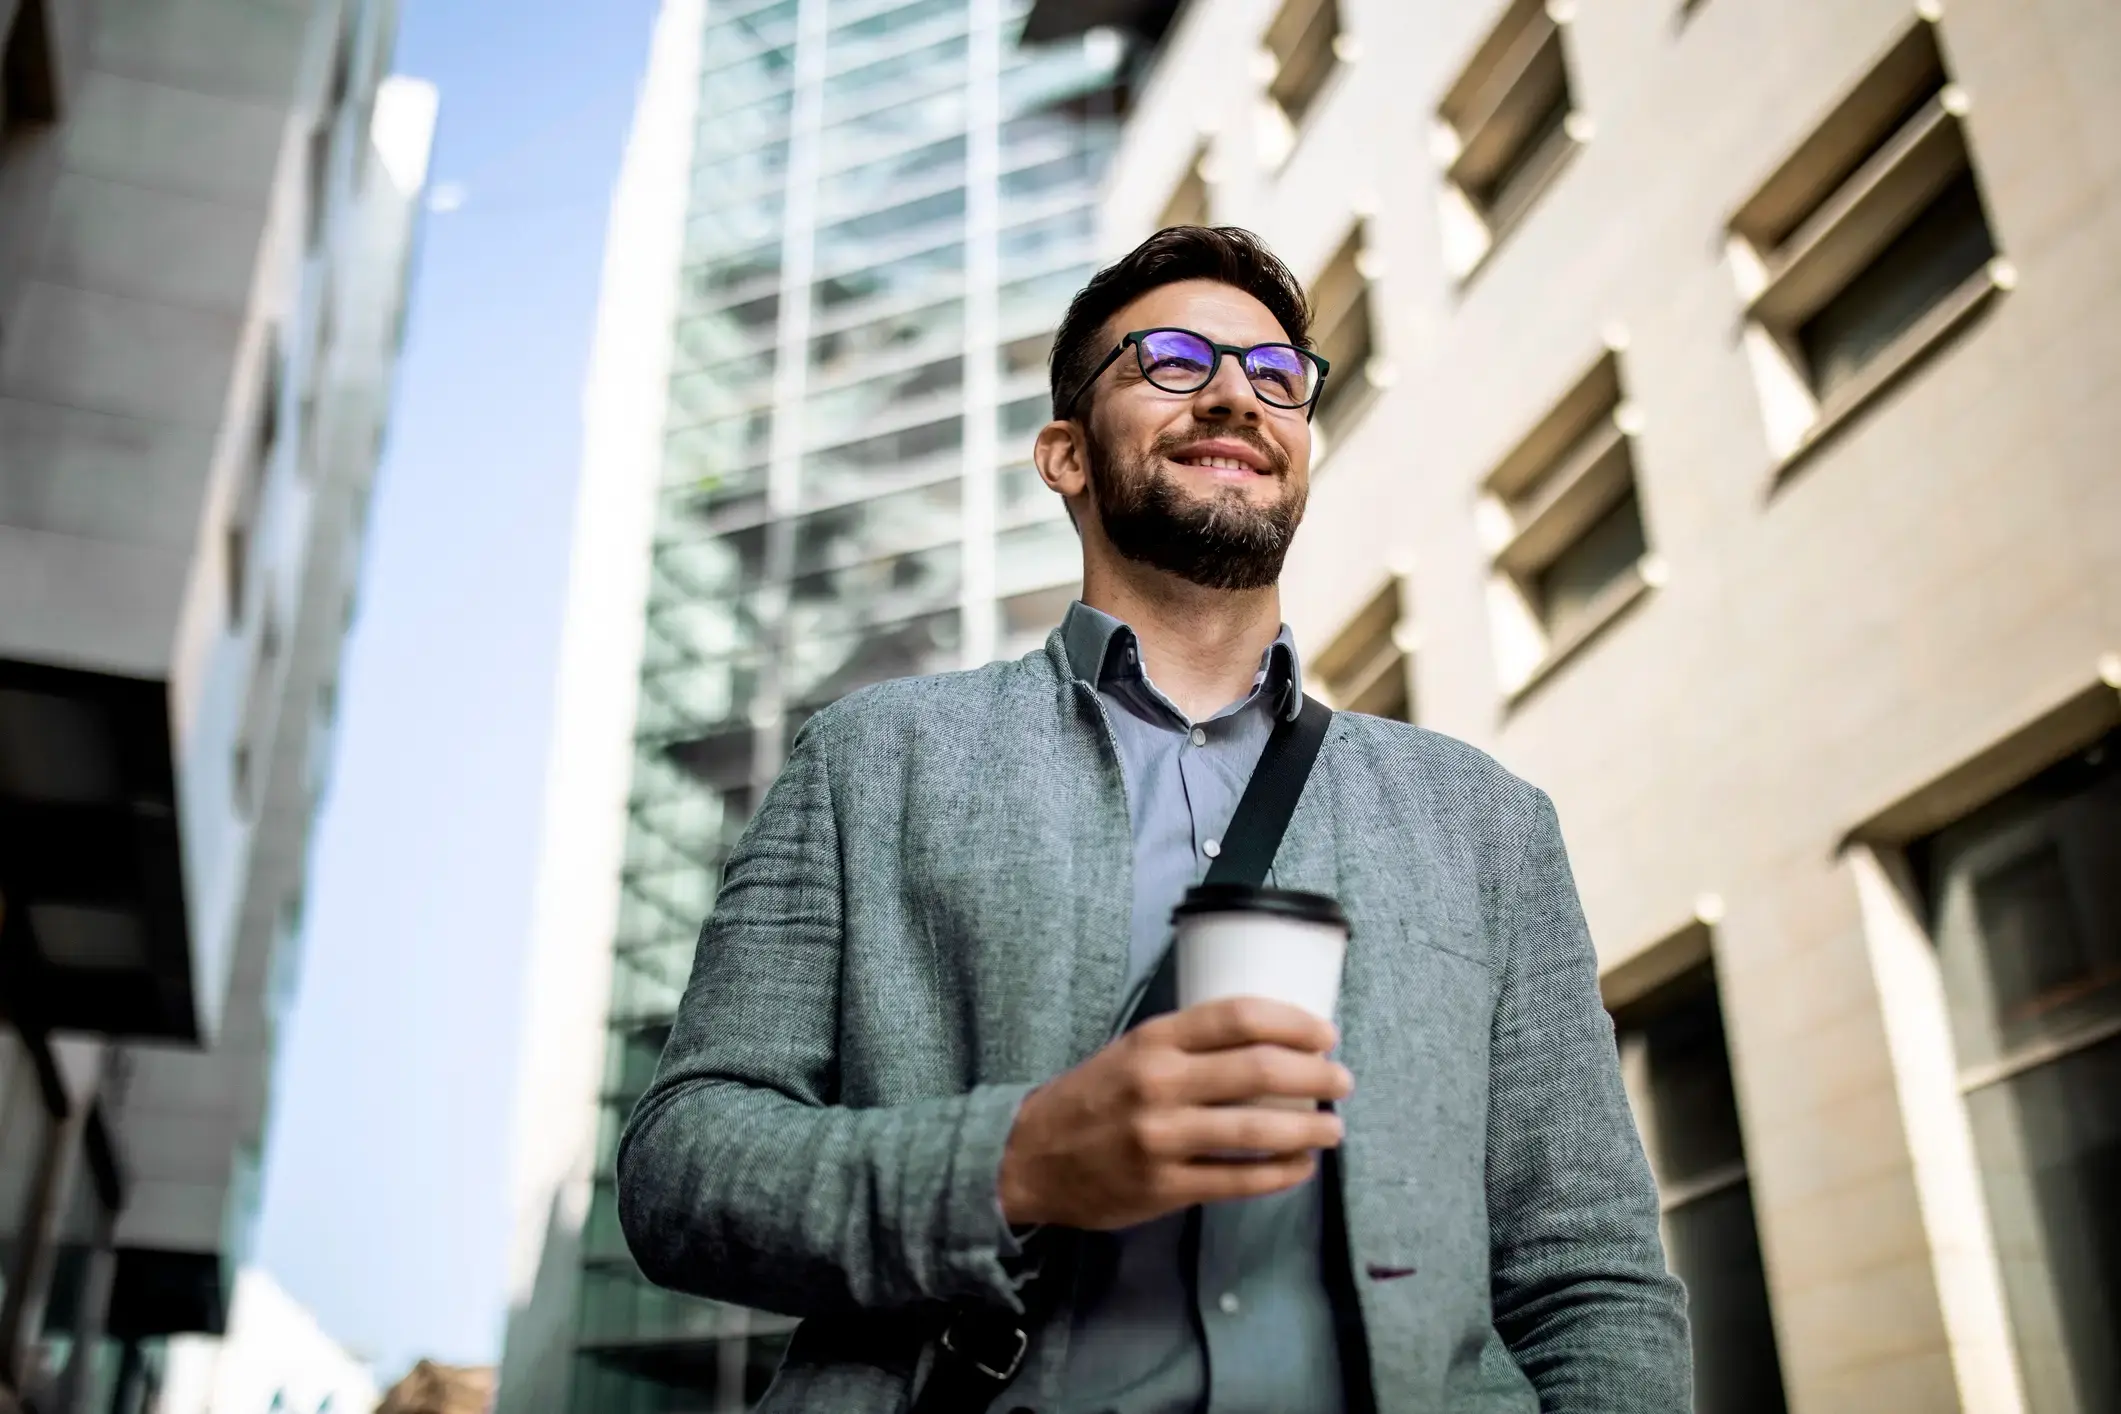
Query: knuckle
{"points": [[1156, 1075], [1149, 1134]]}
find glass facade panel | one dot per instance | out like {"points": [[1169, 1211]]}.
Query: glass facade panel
{"points": [[933, 329], [1035, 303], [834, 603], [720, 447], [824, 669], [728, 278], [744, 171], [862, 41], [1066, 238], [835, 415], [936, 216], [875, 463], [760, 612], [747, 79], [912, 120], [863, 531], [758, 27], [1021, 496], [938, 273], [881, 182], [1070, 172], [1018, 422], [1037, 79], [1037, 556], [920, 70]]}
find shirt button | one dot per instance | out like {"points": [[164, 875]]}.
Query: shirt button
{"points": [[1227, 1303], [1213, 848], [1200, 738]]}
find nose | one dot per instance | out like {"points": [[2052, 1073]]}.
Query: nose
{"points": [[1228, 396]]}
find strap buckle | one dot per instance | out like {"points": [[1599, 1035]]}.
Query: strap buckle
{"points": [[1010, 1363]]}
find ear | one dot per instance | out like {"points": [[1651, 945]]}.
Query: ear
{"points": [[1062, 456]]}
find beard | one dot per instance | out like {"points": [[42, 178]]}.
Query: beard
{"points": [[1220, 541]]}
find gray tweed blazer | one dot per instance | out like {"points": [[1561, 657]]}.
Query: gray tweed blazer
{"points": [[929, 915]]}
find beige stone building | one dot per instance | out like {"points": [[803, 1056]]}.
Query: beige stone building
{"points": [[1723, 433]]}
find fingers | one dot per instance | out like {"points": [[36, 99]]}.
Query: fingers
{"points": [[1248, 1072], [1219, 1182], [1245, 1021], [1179, 1136]]}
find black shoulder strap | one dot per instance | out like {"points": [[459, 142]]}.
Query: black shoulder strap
{"points": [[1263, 812], [980, 1349], [1254, 837]]}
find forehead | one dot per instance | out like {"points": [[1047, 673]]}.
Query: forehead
{"points": [[1224, 313]]}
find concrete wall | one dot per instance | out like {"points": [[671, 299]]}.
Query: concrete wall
{"points": [[1819, 644], [195, 1120]]}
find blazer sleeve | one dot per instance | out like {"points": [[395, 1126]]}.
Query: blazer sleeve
{"points": [[740, 1178], [1580, 1288]]}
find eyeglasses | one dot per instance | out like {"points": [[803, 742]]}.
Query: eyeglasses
{"points": [[1181, 361]]}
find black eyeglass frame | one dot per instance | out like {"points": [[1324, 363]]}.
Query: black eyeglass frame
{"points": [[1309, 406]]}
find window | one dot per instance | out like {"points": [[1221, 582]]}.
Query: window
{"points": [[1562, 519], [873, 463], [1678, 1075], [322, 132], [255, 729], [1367, 667], [1345, 335], [846, 412], [1304, 47], [1506, 129], [2023, 897], [1865, 248], [1188, 205], [242, 520]]}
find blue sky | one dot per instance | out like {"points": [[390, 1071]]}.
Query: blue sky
{"points": [[385, 1203]]}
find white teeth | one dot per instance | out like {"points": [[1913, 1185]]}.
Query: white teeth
{"points": [[1221, 463]]}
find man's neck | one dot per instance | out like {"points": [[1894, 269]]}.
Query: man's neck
{"points": [[1201, 647]]}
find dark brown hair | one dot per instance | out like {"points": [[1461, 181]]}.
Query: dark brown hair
{"points": [[1229, 254]]}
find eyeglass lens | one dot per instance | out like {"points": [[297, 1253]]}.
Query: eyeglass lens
{"points": [[1179, 361]]}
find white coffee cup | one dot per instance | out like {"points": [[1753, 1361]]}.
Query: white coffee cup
{"points": [[1237, 941]]}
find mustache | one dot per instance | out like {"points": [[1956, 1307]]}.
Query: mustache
{"points": [[1170, 444]]}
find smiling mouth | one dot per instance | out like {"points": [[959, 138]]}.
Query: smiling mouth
{"points": [[1219, 464]]}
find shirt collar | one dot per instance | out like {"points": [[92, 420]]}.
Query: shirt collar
{"points": [[1098, 645]]}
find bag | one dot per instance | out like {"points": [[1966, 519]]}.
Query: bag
{"points": [[981, 1348]]}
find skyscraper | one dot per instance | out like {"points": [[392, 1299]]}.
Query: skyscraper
{"points": [[845, 230]]}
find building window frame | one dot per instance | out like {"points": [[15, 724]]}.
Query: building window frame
{"points": [[1345, 329], [1885, 182], [1948, 865], [1368, 666], [1667, 1012], [1303, 52], [1505, 131], [1570, 479]]}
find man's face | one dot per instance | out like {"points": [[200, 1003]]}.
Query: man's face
{"points": [[1209, 486]]}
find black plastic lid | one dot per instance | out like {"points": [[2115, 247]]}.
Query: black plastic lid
{"points": [[1243, 898]]}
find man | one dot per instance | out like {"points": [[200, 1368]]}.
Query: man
{"points": [[893, 1093]]}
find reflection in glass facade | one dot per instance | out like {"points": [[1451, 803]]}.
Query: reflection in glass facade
{"points": [[890, 207]]}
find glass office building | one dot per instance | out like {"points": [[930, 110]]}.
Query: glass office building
{"points": [[891, 204]]}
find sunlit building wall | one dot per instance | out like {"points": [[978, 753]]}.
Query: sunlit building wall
{"points": [[1721, 432], [886, 207], [209, 215]]}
